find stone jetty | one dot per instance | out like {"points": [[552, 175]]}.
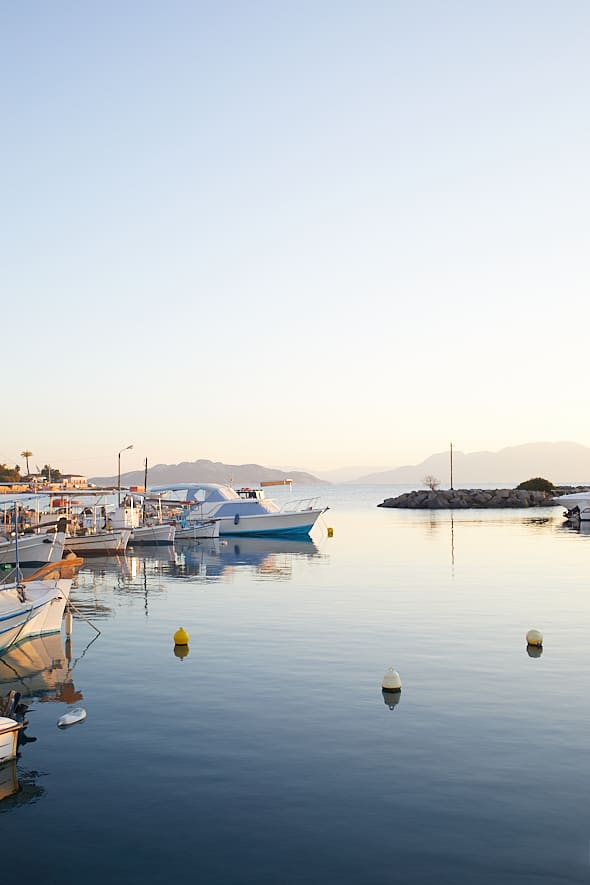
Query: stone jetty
{"points": [[464, 499]]}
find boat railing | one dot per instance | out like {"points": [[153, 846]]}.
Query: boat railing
{"points": [[300, 505]]}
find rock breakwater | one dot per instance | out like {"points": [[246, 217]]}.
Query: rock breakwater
{"points": [[463, 499]]}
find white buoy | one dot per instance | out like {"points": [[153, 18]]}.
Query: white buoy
{"points": [[534, 637], [391, 681], [76, 714], [69, 623]]}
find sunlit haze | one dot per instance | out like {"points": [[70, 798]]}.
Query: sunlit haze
{"points": [[312, 234]]}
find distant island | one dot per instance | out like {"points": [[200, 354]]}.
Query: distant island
{"points": [[208, 471], [563, 463]]}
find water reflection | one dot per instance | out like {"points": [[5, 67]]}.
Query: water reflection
{"points": [[40, 669], [391, 698], [271, 558], [18, 788], [209, 558]]}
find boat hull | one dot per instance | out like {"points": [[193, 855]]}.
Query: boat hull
{"points": [[101, 544], [198, 530], [32, 609], [577, 504], [289, 524], [34, 551], [159, 535]]}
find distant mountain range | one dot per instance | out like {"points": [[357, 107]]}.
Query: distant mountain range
{"points": [[562, 463], [207, 471]]}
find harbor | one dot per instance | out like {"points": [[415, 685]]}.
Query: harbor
{"points": [[269, 729]]}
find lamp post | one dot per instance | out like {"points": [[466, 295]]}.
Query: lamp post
{"points": [[119, 473]]}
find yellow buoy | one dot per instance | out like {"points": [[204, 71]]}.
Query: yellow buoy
{"points": [[181, 637], [330, 532]]}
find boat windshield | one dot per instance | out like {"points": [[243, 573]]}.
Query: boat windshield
{"points": [[196, 493]]}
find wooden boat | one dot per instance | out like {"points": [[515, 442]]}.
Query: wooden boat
{"points": [[68, 567], [9, 729]]}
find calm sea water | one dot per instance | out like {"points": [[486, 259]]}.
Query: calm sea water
{"points": [[268, 754]]}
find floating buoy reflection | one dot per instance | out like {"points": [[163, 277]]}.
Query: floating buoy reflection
{"points": [[391, 698], [181, 651]]}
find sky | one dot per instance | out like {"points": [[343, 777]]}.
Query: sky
{"points": [[304, 234]]}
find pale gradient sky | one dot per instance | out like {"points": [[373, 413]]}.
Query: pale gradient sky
{"points": [[306, 233]]}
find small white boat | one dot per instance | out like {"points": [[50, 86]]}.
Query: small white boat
{"points": [[156, 535], [195, 529], [246, 512], [145, 531], [33, 550], [100, 543], [31, 608], [9, 729], [76, 714]]}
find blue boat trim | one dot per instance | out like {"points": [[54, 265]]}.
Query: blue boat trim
{"points": [[275, 533]]}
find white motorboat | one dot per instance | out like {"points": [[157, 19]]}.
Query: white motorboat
{"points": [[33, 550], [246, 512], [31, 608], [577, 505]]}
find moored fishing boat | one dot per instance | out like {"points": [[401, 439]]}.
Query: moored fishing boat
{"points": [[31, 608], [156, 535], [33, 550], [100, 543], [196, 529]]}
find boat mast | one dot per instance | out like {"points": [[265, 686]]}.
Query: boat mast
{"points": [[144, 492], [18, 571]]}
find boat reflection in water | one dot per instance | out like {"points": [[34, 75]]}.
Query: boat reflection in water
{"points": [[18, 787], [40, 669], [267, 557]]}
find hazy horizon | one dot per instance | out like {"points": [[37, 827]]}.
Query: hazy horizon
{"points": [[320, 234]]}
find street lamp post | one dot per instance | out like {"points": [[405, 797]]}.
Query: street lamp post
{"points": [[119, 473]]}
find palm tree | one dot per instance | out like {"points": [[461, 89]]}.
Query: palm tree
{"points": [[26, 455]]}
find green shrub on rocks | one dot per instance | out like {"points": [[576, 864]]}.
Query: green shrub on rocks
{"points": [[536, 484]]}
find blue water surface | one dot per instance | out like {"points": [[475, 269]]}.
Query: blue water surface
{"points": [[268, 753]]}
